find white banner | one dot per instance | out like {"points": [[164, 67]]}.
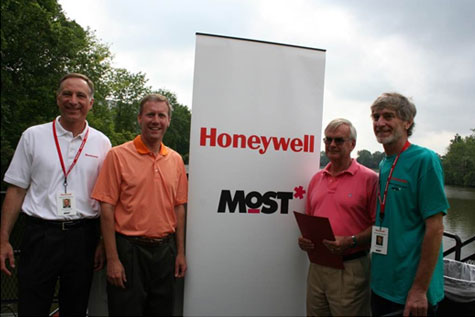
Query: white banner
{"points": [[255, 144]]}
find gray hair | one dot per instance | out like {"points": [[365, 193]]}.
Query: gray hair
{"points": [[334, 124], [404, 107]]}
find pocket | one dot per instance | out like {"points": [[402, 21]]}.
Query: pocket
{"points": [[33, 242], [127, 256], [172, 252], [397, 184], [172, 246]]}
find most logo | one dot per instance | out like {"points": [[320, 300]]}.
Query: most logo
{"points": [[255, 202]]}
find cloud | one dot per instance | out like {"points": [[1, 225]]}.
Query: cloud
{"points": [[165, 68], [423, 49]]}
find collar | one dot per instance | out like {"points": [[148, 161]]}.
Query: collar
{"points": [[62, 131], [350, 170], [143, 149], [401, 152]]}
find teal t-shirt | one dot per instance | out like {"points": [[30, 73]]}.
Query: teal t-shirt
{"points": [[416, 192]]}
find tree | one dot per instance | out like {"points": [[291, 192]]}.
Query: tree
{"points": [[323, 159], [127, 90], [365, 158], [178, 134], [377, 157], [38, 46], [459, 162], [370, 160], [37, 42]]}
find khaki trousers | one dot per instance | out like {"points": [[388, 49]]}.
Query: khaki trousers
{"points": [[334, 292]]}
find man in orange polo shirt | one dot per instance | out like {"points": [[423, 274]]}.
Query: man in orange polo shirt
{"points": [[142, 188]]}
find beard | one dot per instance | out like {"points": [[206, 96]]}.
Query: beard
{"points": [[393, 137]]}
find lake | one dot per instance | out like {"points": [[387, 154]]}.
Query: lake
{"points": [[460, 218]]}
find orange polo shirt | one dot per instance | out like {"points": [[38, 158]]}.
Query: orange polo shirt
{"points": [[143, 187]]}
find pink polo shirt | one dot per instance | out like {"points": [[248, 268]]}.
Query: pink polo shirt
{"points": [[348, 199], [144, 188]]}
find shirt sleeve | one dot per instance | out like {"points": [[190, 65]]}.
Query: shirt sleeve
{"points": [[182, 190], [19, 171], [431, 192], [107, 187]]}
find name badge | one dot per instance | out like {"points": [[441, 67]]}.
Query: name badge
{"points": [[66, 204], [379, 240]]}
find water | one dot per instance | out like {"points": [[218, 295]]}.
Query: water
{"points": [[460, 218]]}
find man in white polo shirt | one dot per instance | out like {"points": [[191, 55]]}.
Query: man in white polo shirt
{"points": [[51, 177]]}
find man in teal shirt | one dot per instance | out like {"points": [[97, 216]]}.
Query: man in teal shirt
{"points": [[407, 267]]}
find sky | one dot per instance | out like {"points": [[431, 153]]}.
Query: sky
{"points": [[423, 49]]}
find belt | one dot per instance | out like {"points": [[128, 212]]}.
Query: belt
{"points": [[355, 255], [63, 225], [148, 241]]}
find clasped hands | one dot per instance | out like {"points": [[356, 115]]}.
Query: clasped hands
{"points": [[338, 247]]}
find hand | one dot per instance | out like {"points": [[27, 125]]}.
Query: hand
{"points": [[306, 244], [99, 256], [180, 266], [338, 246], [116, 273], [6, 253], [416, 303]]}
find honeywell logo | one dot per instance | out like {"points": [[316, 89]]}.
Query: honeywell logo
{"points": [[211, 137]]}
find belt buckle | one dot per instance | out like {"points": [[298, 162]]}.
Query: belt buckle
{"points": [[63, 227]]}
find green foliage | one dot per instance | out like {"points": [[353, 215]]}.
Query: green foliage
{"points": [[127, 91], [323, 159], [178, 134], [370, 160], [37, 42], [459, 162], [364, 157], [38, 46]]}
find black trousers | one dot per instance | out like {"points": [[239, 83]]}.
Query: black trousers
{"points": [[383, 307], [49, 253], [150, 273]]}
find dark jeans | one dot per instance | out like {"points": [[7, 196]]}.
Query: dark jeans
{"points": [[383, 307], [48, 254], [150, 274]]}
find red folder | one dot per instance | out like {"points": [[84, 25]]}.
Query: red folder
{"points": [[316, 229]]}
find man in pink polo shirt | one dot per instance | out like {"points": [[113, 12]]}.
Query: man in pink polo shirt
{"points": [[142, 188], [344, 192]]}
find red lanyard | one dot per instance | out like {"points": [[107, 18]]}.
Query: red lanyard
{"points": [[61, 156], [382, 204]]}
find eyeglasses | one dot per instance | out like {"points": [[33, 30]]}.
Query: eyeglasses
{"points": [[338, 141]]}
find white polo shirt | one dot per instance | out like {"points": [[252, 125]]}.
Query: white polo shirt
{"points": [[36, 166]]}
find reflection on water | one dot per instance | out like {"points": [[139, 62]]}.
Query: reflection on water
{"points": [[460, 218], [455, 192]]}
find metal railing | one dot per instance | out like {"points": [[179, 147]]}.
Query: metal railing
{"points": [[457, 248]]}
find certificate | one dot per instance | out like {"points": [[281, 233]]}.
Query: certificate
{"points": [[316, 229]]}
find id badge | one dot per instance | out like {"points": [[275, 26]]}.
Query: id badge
{"points": [[379, 240], [66, 204]]}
